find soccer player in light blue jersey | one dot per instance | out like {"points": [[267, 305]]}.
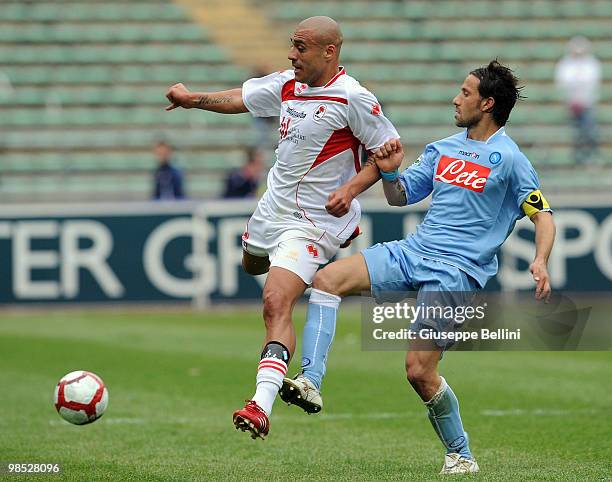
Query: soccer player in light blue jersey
{"points": [[480, 185]]}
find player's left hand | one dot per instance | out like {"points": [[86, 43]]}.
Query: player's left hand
{"points": [[540, 275], [339, 201]]}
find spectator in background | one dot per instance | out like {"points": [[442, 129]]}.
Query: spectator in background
{"points": [[243, 182], [168, 180], [578, 77]]}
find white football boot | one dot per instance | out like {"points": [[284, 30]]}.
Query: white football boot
{"points": [[301, 392], [457, 464]]}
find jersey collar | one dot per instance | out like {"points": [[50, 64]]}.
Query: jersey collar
{"points": [[341, 71], [499, 133]]}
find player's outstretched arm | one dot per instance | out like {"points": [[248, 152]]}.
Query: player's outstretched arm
{"points": [[388, 159], [224, 102], [544, 239]]}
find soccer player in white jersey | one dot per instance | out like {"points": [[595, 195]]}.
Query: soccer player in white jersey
{"points": [[309, 209], [481, 184]]}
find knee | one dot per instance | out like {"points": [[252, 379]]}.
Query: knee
{"points": [[275, 306], [324, 280], [416, 373]]}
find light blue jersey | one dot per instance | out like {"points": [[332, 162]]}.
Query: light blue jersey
{"points": [[478, 190]]}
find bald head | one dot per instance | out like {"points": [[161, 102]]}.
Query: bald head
{"points": [[323, 30], [315, 50]]}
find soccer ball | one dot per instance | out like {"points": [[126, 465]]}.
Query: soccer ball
{"points": [[80, 397]]}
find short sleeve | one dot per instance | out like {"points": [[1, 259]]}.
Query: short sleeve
{"points": [[367, 121], [523, 179], [418, 178], [262, 95]]}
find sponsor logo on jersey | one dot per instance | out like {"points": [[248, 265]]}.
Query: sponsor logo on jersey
{"points": [[284, 127], [376, 110], [297, 214], [295, 135], [465, 174], [495, 158], [296, 113], [291, 133], [320, 112], [473, 155]]}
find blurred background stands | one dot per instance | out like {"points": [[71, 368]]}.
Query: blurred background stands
{"points": [[83, 83]]}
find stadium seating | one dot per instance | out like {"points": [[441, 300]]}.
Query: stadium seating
{"points": [[414, 55], [86, 101], [87, 80]]}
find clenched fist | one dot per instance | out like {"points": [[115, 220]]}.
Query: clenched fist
{"points": [[389, 156], [179, 96], [339, 201]]}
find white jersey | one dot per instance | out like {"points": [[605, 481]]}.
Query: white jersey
{"points": [[321, 132]]}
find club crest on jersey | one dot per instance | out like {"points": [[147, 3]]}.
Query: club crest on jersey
{"points": [[465, 174], [320, 112], [495, 158], [376, 110]]}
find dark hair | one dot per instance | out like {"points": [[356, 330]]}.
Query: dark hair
{"points": [[499, 82]]}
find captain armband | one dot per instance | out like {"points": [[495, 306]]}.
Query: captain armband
{"points": [[535, 203]]}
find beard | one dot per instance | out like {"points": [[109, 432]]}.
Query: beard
{"points": [[467, 122]]}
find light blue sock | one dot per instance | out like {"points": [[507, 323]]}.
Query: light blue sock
{"points": [[444, 417], [318, 334]]}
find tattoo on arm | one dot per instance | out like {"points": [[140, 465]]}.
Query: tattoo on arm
{"points": [[208, 100], [399, 188], [395, 193], [370, 162]]}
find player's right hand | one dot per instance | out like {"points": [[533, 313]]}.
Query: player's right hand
{"points": [[540, 276], [389, 156], [179, 96]]}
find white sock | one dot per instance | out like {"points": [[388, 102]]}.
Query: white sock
{"points": [[270, 374], [324, 298]]}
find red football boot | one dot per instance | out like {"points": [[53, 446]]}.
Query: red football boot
{"points": [[252, 418]]}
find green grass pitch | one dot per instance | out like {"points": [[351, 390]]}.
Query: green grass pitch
{"points": [[175, 379]]}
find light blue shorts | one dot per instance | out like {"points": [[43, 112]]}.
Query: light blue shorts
{"points": [[396, 272]]}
